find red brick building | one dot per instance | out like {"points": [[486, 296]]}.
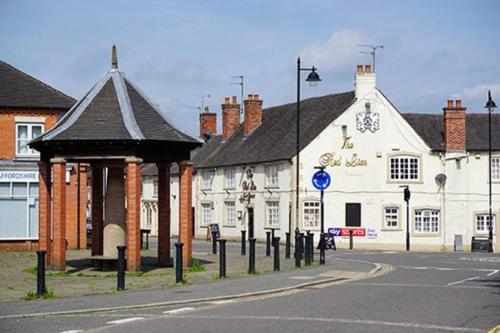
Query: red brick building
{"points": [[28, 108]]}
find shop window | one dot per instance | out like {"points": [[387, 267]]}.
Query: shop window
{"points": [[404, 168], [272, 175], [24, 134], [230, 213], [230, 178], [311, 214], [273, 209], [391, 217], [483, 222], [427, 221]]}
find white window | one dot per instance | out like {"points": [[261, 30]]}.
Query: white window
{"points": [[206, 214], [272, 175], [426, 221], [206, 179], [273, 211], [404, 168], [495, 168], [391, 217], [230, 178], [149, 217], [24, 134], [311, 214], [155, 189], [230, 213], [483, 222]]}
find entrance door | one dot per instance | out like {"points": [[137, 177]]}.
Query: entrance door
{"points": [[250, 222], [353, 215]]}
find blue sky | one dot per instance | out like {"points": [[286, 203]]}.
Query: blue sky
{"points": [[178, 50]]}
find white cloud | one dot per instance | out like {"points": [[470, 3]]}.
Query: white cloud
{"points": [[481, 90], [337, 53]]}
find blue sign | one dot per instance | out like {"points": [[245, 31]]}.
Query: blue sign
{"points": [[321, 180], [335, 231]]}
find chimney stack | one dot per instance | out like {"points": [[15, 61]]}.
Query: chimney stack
{"points": [[208, 123], [364, 81], [455, 126], [230, 117], [253, 113]]}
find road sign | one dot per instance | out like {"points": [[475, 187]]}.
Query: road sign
{"points": [[321, 180]]}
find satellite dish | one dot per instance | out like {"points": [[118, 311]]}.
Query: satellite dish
{"points": [[440, 179]]}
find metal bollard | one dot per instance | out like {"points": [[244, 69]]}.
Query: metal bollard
{"points": [[268, 243], [178, 262], [214, 242], [302, 247], [311, 243], [243, 242], [276, 244], [322, 249], [298, 256], [222, 258], [351, 245], [287, 245], [120, 284], [307, 250], [40, 273], [251, 257]]}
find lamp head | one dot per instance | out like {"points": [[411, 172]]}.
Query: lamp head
{"points": [[490, 105], [313, 78]]}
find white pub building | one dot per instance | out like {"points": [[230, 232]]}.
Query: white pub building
{"points": [[370, 149]]}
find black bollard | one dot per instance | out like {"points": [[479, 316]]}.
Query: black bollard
{"points": [[307, 250], [251, 257], [243, 242], [120, 284], [350, 240], [302, 247], [214, 242], [222, 258], [268, 243], [178, 262], [40, 273], [276, 244], [272, 235], [322, 249], [311, 243], [287, 245], [298, 256]]}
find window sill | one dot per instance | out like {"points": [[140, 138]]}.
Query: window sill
{"points": [[391, 229], [404, 181], [229, 226], [427, 234], [272, 186], [232, 188], [27, 158], [272, 227]]}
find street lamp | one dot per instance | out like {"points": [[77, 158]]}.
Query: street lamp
{"points": [[491, 106], [313, 80]]}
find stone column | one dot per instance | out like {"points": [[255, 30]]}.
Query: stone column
{"points": [[114, 220], [164, 214], [133, 214], [185, 212], [59, 215], [83, 195], [44, 211], [97, 211]]}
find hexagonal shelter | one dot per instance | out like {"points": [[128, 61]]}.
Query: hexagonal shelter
{"points": [[114, 129]]}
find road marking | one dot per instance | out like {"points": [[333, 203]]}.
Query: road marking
{"points": [[414, 285], [464, 280], [302, 277], [178, 310], [72, 331], [123, 321], [447, 268], [222, 302], [492, 273], [495, 329], [339, 320]]}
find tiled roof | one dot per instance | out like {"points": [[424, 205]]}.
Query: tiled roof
{"points": [[18, 89]]}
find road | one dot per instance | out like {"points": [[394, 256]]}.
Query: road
{"points": [[423, 292]]}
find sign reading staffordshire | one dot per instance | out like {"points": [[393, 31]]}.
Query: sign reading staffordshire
{"points": [[18, 176]]}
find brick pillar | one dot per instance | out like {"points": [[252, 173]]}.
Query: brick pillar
{"points": [[164, 214], [71, 210], [185, 212], [44, 211], [59, 215], [97, 211], [133, 214], [82, 169]]}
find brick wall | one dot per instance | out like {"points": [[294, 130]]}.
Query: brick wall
{"points": [[208, 124], [454, 126], [18, 245]]}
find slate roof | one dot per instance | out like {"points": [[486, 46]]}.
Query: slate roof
{"points": [[18, 89], [114, 109], [274, 139], [430, 127]]}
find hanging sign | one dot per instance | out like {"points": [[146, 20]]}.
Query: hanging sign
{"points": [[321, 180]]}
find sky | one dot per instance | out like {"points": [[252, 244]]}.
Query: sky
{"points": [[179, 51]]}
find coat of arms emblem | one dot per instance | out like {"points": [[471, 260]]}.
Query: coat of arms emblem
{"points": [[368, 120]]}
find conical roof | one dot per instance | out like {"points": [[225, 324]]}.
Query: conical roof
{"points": [[117, 112]]}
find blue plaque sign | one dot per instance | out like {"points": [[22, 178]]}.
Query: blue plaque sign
{"points": [[321, 180]]}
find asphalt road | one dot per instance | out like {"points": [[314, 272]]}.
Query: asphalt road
{"points": [[425, 292]]}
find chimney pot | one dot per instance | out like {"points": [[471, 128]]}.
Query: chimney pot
{"points": [[227, 101], [368, 68], [450, 103], [360, 69], [256, 97], [458, 103], [235, 100]]}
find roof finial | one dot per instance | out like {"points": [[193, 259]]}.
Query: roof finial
{"points": [[114, 58]]}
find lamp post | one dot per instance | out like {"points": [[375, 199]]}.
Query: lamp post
{"points": [[407, 195], [313, 80], [490, 106]]}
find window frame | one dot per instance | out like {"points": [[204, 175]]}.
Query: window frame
{"points": [[226, 213], [268, 214], [399, 156], [204, 204], [155, 188], [384, 226], [32, 153], [268, 180], [424, 233], [207, 177], [227, 183], [315, 202], [495, 161], [486, 231]]}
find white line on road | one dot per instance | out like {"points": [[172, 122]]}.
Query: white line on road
{"points": [[413, 285], [178, 310], [492, 273], [123, 321], [464, 280], [447, 268], [339, 320], [222, 302], [299, 277], [73, 331]]}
